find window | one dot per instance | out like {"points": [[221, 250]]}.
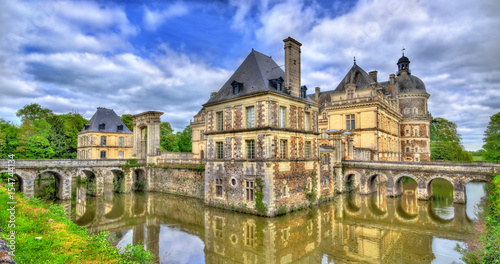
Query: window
{"points": [[415, 132], [250, 149], [308, 149], [407, 142], [350, 94], [407, 131], [220, 150], [407, 111], [416, 159], [87, 127], [121, 141], [119, 128], [218, 187], [303, 91], [414, 110], [103, 154], [102, 127], [407, 150], [323, 134], [250, 117], [103, 141], [236, 87], [218, 227], [282, 117], [277, 83], [220, 121], [325, 115], [307, 121], [120, 154], [350, 122], [249, 187], [283, 149], [416, 149], [202, 134], [249, 235]]}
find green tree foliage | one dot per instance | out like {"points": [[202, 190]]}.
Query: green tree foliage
{"points": [[178, 142], [168, 140], [42, 134], [33, 112], [128, 121], [8, 138], [492, 139], [184, 139], [446, 142]]}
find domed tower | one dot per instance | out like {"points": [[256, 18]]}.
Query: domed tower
{"points": [[415, 127]]}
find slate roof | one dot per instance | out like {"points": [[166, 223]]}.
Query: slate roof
{"points": [[255, 74], [109, 118], [408, 83]]}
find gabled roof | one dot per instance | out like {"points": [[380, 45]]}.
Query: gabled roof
{"points": [[255, 75], [358, 76], [110, 120]]}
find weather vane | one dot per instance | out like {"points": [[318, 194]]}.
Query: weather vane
{"points": [[354, 59], [403, 50]]}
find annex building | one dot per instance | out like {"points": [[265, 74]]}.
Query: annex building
{"points": [[105, 136]]}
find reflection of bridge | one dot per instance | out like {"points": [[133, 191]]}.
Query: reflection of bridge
{"points": [[369, 229], [367, 175]]}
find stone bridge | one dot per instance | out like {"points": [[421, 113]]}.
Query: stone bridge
{"points": [[368, 176], [65, 172]]}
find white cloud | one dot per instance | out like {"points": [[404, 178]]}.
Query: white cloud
{"points": [[155, 18]]}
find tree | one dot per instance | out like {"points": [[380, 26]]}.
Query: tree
{"points": [[128, 121], [33, 142], [73, 124], [492, 139], [446, 142], [33, 112], [184, 139], [8, 139], [168, 140]]}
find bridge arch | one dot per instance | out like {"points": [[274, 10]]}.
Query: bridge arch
{"points": [[374, 182], [52, 183], [139, 180], [407, 208], [428, 183], [116, 177], [398, 183], [351, 180], [19, 181], [88, 180], [353, 205]]}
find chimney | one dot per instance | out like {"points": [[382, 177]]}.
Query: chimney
{"points": [[316, 95], [213, 94], [292, 66], [392, 84], [373, 74]]}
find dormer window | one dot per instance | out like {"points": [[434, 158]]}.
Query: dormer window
{"points": [[277, 83], [350, 94], [236, 87], [102, 126], [87, 127], [120, 128], [303, 91]]}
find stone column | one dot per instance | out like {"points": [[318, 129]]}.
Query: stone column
{"points": [[151, 120], [422, 192]]}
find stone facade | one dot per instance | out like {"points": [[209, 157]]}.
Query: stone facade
{"points": [[388, 118]]}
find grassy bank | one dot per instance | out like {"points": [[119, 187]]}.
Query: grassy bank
{"points": [[45, 235], [486, 248]]}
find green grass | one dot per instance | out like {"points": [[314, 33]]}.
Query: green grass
{"points": [[486, 249], [61, 241], [477, 158]]}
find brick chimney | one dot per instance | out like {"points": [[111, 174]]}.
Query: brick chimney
{"points": [[292, 66], [373, 74], [316, 94]]}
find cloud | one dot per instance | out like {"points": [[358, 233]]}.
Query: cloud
{"points": [[155, 18]]}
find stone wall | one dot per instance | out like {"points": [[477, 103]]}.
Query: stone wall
{"points": [[186, 182]]}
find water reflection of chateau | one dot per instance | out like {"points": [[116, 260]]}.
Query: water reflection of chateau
{"points": [[362, 229]]}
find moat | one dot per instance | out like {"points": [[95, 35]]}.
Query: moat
{"points": [[351, 228]]}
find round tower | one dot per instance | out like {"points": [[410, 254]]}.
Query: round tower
{"points": [[415, 127]]}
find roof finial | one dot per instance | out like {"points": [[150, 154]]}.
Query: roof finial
{"points": [[354, 59], [403, 50]]}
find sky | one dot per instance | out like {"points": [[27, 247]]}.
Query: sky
{"points": [[135, 56]]}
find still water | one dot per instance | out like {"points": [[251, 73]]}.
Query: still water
{"points": [[350, 229]]}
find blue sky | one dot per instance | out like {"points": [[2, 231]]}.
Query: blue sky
{"points": [[135, 56]]}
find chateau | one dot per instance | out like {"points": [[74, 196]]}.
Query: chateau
{"points": [[261, 135]]}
